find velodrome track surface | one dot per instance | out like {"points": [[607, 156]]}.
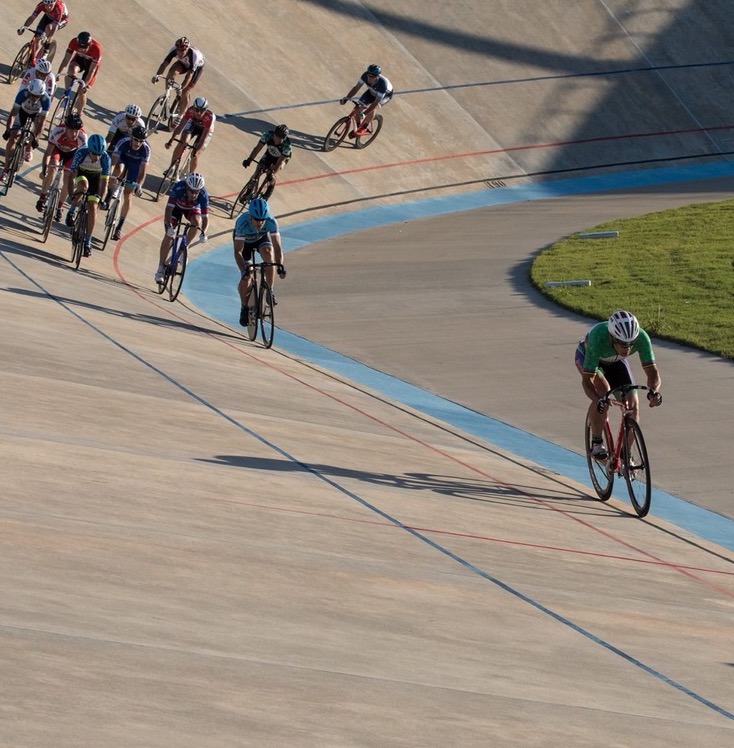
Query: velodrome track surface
{"points": [[210, 544]]}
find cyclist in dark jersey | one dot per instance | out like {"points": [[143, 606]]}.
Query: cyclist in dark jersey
{"points": [[601, 357], [278, 152], [379, 92]]}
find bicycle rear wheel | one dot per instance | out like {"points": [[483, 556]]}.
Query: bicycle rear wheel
{"points": [[110, 220], [178, 270], [166, 181], [57, 118], [637, 468], [602, 475], [48, 214], [365, 140], [20, 63], [155, 115], [336, 135], [267, 316]]}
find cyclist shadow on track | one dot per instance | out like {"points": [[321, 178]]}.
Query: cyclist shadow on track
{"points": [[97, 112], [134, 316], [39, 252], [305, 141], [526, 497], [247, 124]]}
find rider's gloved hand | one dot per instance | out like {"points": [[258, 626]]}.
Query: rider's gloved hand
{"points": [[281, 272], [343, 101], [6, 134], [138, 190], [170, 231], [155, 79], [654, 398], [21, 30], [168, 144], [602, 405], [34, 141], [246, 162]]}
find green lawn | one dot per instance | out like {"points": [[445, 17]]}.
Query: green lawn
{"points": [[673, 269]]}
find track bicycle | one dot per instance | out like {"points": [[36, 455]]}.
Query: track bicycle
{"points": [[164, 107], [53, 202], [347, 124], [65, 105], [79, 232], [628, 457], [180, 167], [26, 139], [259, 184], [175, 269], [23, 60], [260, 307]]}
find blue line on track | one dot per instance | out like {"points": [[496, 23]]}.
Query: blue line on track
{"points": [[211, 285], [376, 510]]}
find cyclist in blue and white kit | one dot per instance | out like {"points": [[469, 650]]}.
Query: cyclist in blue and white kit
{"points": [[187, 199], [256, 231], [379, 92], [32, 103], [88, 176], [129, 165]]}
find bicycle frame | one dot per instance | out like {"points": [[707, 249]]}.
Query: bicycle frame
{"points": [[162, 106], [175, 268], [260, 307], [344, 126]]}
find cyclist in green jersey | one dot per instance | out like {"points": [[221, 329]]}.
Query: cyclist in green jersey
{"points": [[601, 357]]}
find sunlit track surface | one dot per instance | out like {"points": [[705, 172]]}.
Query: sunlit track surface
{"points": [[207, 544]]}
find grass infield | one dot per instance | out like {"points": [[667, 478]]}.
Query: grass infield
{"points": [[674, 270]]}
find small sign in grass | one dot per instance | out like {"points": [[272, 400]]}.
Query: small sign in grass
{"points": [[673, 269]]}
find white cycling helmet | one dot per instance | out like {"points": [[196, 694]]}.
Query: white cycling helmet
{"points": [[36, 87], [624, 327], [133, 110], [200, 103], [195, 182], [43, 66]]}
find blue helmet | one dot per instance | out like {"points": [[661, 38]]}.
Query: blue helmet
{"points": [[258, 209], [374, 69], [96, 145]]}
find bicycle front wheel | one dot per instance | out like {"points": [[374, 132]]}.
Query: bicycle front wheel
{"points": [[336, 135], [637, 468], [365, 140], [155, 115], [20, 63], [252, 309], [110, 220], [178, 270], [246, 194], [267, 316], [602, 475], [48, 215]]}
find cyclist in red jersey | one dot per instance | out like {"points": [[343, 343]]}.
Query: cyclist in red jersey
{"points": [[83, 55], [63, 143], [54, 14], [197, 122]]}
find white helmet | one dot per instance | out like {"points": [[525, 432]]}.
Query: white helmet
{"points": [[200, 103], [624, 327], [43, 66], [133, 110], [36, 87], [195, 182]]}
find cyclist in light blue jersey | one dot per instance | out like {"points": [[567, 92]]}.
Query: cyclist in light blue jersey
{"points": [[256, 231]]}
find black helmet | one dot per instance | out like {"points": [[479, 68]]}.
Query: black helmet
{"points": [[282, 131], [73, 121], [138, 132], [84, 38], [374, 69]]}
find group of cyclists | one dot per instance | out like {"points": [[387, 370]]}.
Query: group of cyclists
{"points": [[99, 166]]}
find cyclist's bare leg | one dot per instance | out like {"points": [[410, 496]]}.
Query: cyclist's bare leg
{"points": [[12, 140], [165, 249], [194, 159], [244, 286], [595, 389], [195, 221], [126, 200], [266, 252]]}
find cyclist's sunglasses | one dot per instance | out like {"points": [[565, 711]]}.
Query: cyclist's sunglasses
{"points": [[621, 343]]}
